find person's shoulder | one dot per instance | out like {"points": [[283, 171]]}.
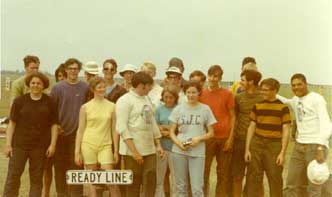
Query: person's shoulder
{"points": [[315, 95], [19, 80], [125, 98], [22, 98]]}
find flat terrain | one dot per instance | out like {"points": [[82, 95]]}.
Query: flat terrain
{"points": [[4, 111]]}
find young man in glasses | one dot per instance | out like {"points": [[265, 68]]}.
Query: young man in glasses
{"points": [[313, 131], [267, 141], [69, 95]]}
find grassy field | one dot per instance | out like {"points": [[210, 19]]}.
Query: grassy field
{"points": [[24, 189]]}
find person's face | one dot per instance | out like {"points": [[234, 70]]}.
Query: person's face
{"points": [[214, 79], [36, 85], [268, 93], [143, 90], [299, 87], [32, 67], [100, 89], [128, 75], [88, 76], [173, 79], [244, 83], [60, 76], [72, 72], [192, 94], [168, 99], [147, 88], [149, 71], [109, 70]]}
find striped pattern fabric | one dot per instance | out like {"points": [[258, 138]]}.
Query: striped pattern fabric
{"points": [[269, 118]]}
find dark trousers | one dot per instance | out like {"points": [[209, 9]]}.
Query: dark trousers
{"points": [[264, 154], [63, 161], [214, 148], [143, 175], [16, 167]]}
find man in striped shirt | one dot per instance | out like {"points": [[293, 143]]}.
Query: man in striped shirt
{"points": [[267, 140]]}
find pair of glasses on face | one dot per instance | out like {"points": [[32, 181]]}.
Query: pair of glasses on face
{"points": [[265, 89], [73, 69], [108, 69]]}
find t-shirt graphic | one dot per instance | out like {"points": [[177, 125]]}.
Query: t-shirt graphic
{"points": [[147, 114]]}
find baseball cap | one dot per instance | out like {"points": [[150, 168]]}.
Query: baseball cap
{"points": [[173, 69], [128, 67], [318, 173], [91, 68]]}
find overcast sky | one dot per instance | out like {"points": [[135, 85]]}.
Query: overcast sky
{"points": [[284, 36]]}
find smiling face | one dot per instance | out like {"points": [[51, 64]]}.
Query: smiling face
{"points": [[268, 93], [36, 85], [299, 87], [109, 70], [99, 90], [214, 79], [192, 94], [72, 72], [32, 67], [169, 99], [128, 76]]}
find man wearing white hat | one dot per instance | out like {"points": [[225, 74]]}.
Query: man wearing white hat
{"points": [[127, 72], [91, 70]]}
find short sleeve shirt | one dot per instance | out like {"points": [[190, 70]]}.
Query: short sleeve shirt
{"points": [[33, 119], [192, 122]]}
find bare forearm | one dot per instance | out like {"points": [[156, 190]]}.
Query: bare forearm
{"points": [[10, 133], [285, 138], [250, 134], [131, 146], [54, 135], [78, 141], [116, 139]]}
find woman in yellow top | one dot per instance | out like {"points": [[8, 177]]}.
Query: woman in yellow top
{"points": [[96, 133]]}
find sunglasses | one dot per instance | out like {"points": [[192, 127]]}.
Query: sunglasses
{"points": [[106, 69]]}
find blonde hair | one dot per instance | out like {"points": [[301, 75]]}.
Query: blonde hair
{"points": [[148, 65], [250, 66]]}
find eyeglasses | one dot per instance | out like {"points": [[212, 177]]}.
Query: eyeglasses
{"points": [[173, 77], [110, 69], [265, 89], [73, 68]]}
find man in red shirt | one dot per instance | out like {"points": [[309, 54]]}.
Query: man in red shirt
{"points": [[221, 102]]}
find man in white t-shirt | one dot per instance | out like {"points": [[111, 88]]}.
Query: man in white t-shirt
{"points": [[139, 141], [314, 129]]}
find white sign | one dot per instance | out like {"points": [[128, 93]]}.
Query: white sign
{"points": [[116, 177]]}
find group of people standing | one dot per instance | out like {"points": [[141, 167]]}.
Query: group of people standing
{"points": [[167, 135]]}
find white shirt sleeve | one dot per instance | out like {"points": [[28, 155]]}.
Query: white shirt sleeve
{"points": [[122, 110], [324, 121]]}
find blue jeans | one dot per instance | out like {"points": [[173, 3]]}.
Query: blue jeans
{"points": [[297, 183], [183, 165], [16, 167]]}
